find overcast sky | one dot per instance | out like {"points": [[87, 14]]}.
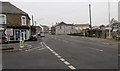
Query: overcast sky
{"points": [[72, 11]]}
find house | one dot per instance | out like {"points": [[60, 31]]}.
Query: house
{"points": [[53, 30], [81, 27], [96, 27], [45, 28], [14, 22], [38, 29], [64, 29]]}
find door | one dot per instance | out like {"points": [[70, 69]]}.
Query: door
{"points": [[22, 36]]}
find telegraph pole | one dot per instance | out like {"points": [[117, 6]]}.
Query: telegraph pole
{"points": [[109, 18], [90, 16], [32, 30], [32, 21]]}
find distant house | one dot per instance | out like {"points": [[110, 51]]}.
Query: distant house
{"points": [[64, 29], [96, 27], [45, 28], [80, 27], [38, 29], [53, 30], [14, 22]]}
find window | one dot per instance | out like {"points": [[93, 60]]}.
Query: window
{"points": [[2, 19], [23, 20], [60, 27]]}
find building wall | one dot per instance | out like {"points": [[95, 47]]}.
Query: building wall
{"points": [[15, 20], [79, 29], [64, 29]]}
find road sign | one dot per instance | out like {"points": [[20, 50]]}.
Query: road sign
{"points": [[9, 32]]}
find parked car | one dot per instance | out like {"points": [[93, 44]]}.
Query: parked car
{"points": [[33, 38], [38, 34], [42, 35]]}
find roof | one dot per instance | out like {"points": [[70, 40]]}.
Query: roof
{"points": [[44, 26], [82, 25], [7, 7], [114, 24], [62, 23]]}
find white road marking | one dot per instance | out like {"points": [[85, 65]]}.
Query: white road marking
{"points": [[67, 63], [51, 50], [59, 56], [99, 50], [45, 45], [41, 48], [62, 59], [71, 67], [56, 54], [41, 44]]}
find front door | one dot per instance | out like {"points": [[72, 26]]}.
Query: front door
{"points": [[22, 37]]}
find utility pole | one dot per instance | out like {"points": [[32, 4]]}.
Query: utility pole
{"points": [[32, 21], [32, 30], [35, 23], [90, 16], [109, 18]]}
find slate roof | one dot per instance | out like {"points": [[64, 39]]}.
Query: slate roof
{"points": [[82, 25], [63, 23], [7, 7]]}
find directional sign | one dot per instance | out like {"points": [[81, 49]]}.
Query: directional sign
{"points": [[9, 32]]}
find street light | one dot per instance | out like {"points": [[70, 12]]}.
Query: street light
{"points": [[109, 18], [90, 15]]}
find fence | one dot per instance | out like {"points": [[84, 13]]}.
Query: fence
{"points": [[103, 34]]}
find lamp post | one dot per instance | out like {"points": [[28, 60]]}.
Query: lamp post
{"points": [[90, 16], [109, 18]]}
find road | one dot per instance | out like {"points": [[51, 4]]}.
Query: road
{"points": [[55, 52]]}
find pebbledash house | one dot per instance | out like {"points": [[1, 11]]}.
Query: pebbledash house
{"points": [[14, 23]]}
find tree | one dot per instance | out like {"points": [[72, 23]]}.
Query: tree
{"points": [[113, 21]]}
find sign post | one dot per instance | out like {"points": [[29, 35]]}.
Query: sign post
{"points": [[9, 32]]}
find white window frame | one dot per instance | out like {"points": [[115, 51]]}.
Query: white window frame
{"points": [[22, 20], [5, 18]]}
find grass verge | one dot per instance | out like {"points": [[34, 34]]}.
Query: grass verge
{"points": [[6, 48]]}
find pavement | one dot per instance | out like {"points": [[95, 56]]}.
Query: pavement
{"points": [[27, 45], [61, 52]]}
